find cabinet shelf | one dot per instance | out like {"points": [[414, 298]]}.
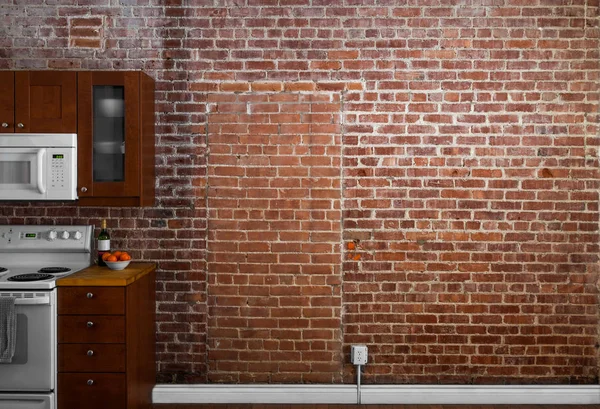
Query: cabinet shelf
{"points": [[109, 148]]}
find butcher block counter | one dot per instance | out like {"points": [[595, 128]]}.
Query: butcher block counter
{"points": [[106, 338], [96, 276]]}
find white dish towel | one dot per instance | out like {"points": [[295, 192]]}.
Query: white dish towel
{"points": [[8, 329]]}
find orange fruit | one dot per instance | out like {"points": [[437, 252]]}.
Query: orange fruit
{"points": [[117, 253], [105, 256], [124, 257], [351, 245], [111, 258]]}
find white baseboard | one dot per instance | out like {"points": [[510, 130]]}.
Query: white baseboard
{"points": [[380, 394], [481, 394], [254, 394]]}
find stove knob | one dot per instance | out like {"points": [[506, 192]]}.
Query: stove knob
{"points": [[51, 235], [64, 235], [77, 235]]}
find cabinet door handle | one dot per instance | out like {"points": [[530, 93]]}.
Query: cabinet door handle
{"points": [[90, 295], [90, 382], [84, 189], [90, 353], [4, 125], [90, 324], [20, 125]]}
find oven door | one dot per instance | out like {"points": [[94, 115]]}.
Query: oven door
{"points": [[22, 173], [33, 366]]}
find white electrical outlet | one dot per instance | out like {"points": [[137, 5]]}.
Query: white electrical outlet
{"points": [[359, 354]]}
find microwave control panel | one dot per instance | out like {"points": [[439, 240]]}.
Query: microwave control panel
{"points": [[57, 176], [61, 173]]}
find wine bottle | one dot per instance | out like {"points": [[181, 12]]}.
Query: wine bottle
{"points": [[103, 243]]}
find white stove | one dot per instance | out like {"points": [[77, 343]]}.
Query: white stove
{"points": [[34, 257]]}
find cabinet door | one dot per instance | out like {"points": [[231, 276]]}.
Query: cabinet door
{"points": [[92, 391], [7, 102], [45, 101], [108, 134]]}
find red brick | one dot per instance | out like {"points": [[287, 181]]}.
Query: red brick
{"points": [[85, 42], [465, 165], [86, 22]]}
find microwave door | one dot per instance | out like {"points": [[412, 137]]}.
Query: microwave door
{"points": [[22, 173]]}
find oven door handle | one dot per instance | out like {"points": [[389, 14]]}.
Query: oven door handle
{"points": [[33, 301], [41, 186]]}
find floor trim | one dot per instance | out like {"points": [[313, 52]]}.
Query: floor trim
{"points": [[380, 394]]}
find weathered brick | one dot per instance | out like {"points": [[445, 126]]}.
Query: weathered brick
{"points": [[465, 169]]}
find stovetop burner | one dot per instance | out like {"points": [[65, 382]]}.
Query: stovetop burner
{"points": [[54, 270], [30, 277]]}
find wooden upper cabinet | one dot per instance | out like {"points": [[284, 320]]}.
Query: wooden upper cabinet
{"points": [[7, 102], [113, 115], [115, 138], [45, 101]]}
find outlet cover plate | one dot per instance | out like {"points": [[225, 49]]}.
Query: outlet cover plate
{"points": [[359, 354]]}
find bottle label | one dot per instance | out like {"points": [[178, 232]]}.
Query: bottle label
{"points": [[103, 245]]}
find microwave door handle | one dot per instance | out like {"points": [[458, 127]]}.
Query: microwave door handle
{"points": [[40, 171]]}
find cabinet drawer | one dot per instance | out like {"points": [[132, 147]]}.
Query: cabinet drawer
{"points": [[91, 329], [92, 391], [91, 358], [91, 300]]}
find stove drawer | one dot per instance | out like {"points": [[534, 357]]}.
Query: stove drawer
{"points": [[93, 329], [92, 391], [91, 358], [91, 300]]}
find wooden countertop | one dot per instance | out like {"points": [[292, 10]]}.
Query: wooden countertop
{"points": [[103, 276]]}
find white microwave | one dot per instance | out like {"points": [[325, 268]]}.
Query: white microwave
{"points": [[38, 166]]}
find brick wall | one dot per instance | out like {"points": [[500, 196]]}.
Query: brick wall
{"points": [[417, 175], [274, 237]]}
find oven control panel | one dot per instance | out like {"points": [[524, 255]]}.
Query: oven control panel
{"points": [[46, 238]]}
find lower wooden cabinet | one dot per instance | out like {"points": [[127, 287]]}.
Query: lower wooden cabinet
{"points": [[92, 390], [91, 358], [106, 339]]}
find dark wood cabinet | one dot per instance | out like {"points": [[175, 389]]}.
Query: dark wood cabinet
{"points": [[38, 101], [115, 139], [92, 391], [106, 338], [112, 113], [7, 102]]}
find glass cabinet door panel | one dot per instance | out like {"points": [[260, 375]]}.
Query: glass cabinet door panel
{"points": [[109, 133]]}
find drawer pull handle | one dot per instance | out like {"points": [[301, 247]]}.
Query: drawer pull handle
{"points": [[90, 324], [20, 125], [90, 353], [4, 125], [90, 382], [89, 295]]}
